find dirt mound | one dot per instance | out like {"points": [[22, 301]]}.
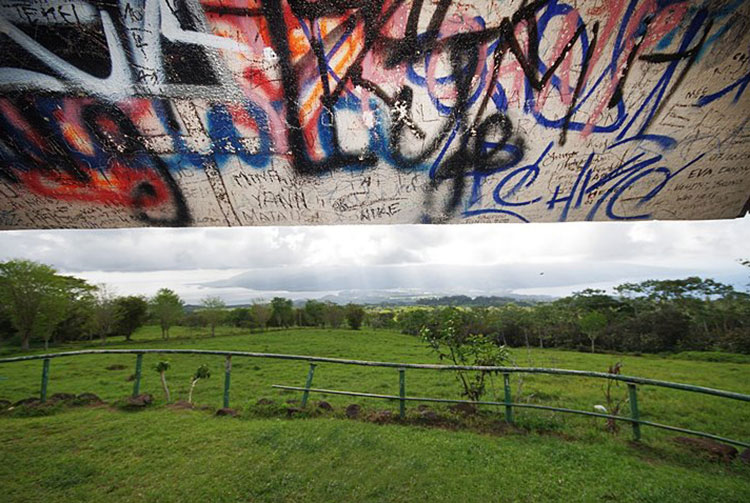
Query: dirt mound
{"points": [[381, 416], [711, 448], [466, 409], [181, 405], [138, 402], [353, 411], [62, 397], [87, 399], [32, 401]]}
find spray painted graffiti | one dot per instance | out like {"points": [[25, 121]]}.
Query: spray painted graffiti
{"points": [[252, 112]]}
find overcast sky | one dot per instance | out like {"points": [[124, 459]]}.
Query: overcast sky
{"points": [[243, 264]]}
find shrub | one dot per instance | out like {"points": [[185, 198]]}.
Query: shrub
{"points": [[444, 337]]}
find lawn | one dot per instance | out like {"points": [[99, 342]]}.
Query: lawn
{"points": [[163, 454]]}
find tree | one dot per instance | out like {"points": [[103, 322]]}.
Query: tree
{"points": [[334, 315], [261, 314], [298, 314], [593, 324], [282, 311], [105, 311], [162, 368], [79, 321], [35, 297], [52, 313], [382, 319], [167, 307], [131, 313], [213, 311], [355, 314], [194, 320], [545, 320], [315, 313], [241, 317], [412, 320], [515, 324], [7, 329]]}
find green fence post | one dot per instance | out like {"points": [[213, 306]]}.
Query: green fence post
{"points": [[45, 379], [227, 379], [402, 393], [508, 401], [308, 383], [138, 367], [632, 391]]}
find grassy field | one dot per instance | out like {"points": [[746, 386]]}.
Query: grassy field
{"points": [[163, 454]]}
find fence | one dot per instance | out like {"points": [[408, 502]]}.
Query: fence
{"points": [[632, 382]]}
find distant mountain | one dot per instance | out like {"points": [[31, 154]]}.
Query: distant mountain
{"points": [[412, 284], [386, 299], [435, 279], [431, 299]]}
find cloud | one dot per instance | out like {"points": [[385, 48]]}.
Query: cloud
{"points": [[495, 279], [402, 256], [150, 249]]}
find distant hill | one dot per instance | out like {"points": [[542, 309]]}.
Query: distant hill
{"points": [[393, 299], [482, 300]]}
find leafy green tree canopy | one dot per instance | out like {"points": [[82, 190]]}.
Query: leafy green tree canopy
{"points": [[315, 313], [36, 297], [214, 311], [282, 311], [105, 311], [167, 307], [447, 337], [131, 313], [355, 315], [593, 324], [334, 315]]}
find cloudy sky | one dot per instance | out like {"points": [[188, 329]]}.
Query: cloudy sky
{"points": [[244, 264]]}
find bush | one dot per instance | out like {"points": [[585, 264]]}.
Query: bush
{"points": [[355, 315], [736, 340], [446, 337]]}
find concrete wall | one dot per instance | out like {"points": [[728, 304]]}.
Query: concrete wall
{"points": [[168, 112]]}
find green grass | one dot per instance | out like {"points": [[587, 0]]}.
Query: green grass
{"points": [[162, 455], [711, 356], [177, 455]]}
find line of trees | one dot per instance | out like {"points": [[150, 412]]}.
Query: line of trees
{"points": [[650, 317], [280, 312], [39, 305]]}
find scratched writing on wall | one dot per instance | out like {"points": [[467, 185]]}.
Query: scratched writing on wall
{"points": [[167, 112]]}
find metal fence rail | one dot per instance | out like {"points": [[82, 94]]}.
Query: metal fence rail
{"points": [[508, 404]]}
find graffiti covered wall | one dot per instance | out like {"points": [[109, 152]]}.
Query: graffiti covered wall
{"points": [[256, 112]]}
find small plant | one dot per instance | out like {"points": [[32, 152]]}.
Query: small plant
{"points": [[202, 373], [613, 404], [162, 368], [447, 340]]}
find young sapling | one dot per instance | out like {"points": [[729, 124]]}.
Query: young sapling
{"points": [[162, 368], [202, 373]]}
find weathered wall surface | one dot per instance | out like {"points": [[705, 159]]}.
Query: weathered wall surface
{"points": [[169, 112]]}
